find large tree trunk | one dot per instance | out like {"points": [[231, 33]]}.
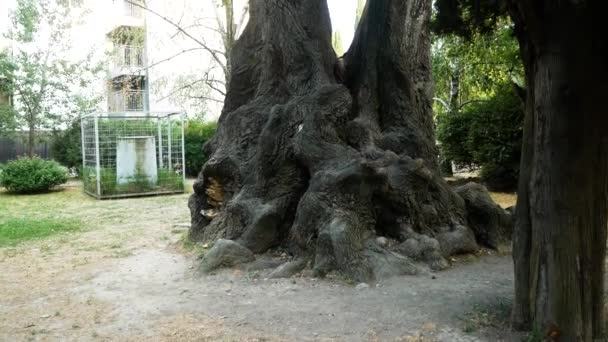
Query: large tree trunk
{"points": [[560, 234], [326, 167]]}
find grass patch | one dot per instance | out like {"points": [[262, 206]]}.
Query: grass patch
{"points": [[16, 230], [191, 247]]}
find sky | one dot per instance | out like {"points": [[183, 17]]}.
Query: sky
{"points": [[343, 19], [342, 14]]}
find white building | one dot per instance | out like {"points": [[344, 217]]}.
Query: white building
{"points": [[152, 62], [127, 86]]}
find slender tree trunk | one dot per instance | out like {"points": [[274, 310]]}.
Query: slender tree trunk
{"points": [[359, 12], [31, 140], [560, 234], [230, 37], [453, 105], [455, 90], [342, 170]]}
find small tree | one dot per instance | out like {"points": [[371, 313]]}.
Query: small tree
{"points": [[43, 76]]}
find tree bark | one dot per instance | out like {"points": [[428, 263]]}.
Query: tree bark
{"points": [[559, 242], [324, 164]]}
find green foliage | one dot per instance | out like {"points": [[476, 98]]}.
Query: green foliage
{"points": [[8, 117], [67, 146], [31, 175], [481, 63], [479, 117], [26, 18], [196, 134], [487, 134], [467, 17], [41, 73], [167, 180], [8, 123], [16, 230], [170, 180]]}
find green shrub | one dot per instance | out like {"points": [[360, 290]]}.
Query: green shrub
{"points": [[487, 134], [67, 146], [196, 134], [30, 175]]}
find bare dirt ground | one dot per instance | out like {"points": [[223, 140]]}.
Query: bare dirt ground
{"points": [[127, 277]]}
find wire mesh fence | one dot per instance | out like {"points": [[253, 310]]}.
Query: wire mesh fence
{"points": [[132, 154]]}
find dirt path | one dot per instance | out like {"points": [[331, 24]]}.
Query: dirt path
{"points": [[125, 280]]}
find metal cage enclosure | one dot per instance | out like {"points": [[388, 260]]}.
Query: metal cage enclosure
{"points": [[132, 154]]}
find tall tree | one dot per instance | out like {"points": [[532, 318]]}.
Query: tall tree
{"points": [[559, 246], [327, 165], [8, 117], [560, 239], [43, 76], [228, 29]]}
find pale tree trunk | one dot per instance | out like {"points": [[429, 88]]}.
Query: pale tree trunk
{"points": [[326, 165], [359, 12], [559, 243], [455, 90], [230, 35]]}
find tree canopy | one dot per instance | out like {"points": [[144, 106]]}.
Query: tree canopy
{"points": [[48, 84]]}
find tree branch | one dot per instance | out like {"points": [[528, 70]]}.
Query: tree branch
{"points": [[212, 52], [175, 91], [167, 59], [206, 98], [210, 85]]}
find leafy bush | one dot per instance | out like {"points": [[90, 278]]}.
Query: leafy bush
{"points": [[196, 134], [67, 146], [486, 134], [29, 175]]}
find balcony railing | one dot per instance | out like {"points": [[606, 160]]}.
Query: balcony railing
{"points": [[128, 56], [133, 10], [126, 101]]}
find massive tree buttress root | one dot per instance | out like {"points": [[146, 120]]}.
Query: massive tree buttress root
{"points": [[325, 165]]}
